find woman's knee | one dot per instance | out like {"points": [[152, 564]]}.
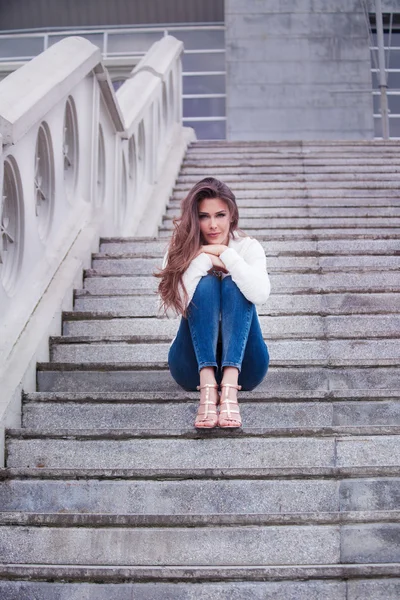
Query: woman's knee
{"points": [[208, 282], [208, 291]]}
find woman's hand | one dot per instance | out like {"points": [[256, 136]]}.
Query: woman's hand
{"points": [[217, 263], [214, 249]]}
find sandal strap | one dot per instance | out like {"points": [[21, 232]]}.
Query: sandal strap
{"points": [[207, 385], [230, 385], [227, 401], [207, 402]]}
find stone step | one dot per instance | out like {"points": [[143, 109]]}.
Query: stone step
{"points": [[306, 195], [276, 327], [299, 175], [303, 167], [89, 307], [191, 497], [312, 233], [147, 266], [301, 153], [97, 521], [290, 200], [363, 184], [235, 583], [370, 281], [301, 147], [112, 449], [307, 212], [150, 415], [339, 352], [226, 546], [148, 474], [128, 247], [190, 433], [309, 223], [316, 153], [53, 377]]}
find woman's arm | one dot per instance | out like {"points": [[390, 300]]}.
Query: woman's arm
{"points": [[197, 269], [249, 271]]}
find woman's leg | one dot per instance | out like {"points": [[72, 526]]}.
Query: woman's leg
{"points": [[182, 360], [203, 319], [256, 357], [244, 349], [245, 355], [236, 318], [192, 357]]}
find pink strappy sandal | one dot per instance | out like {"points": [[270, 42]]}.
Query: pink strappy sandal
{"points": [[207, 416], [229, 414]]}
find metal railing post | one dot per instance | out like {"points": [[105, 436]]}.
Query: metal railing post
{"points": [[382, 71]]}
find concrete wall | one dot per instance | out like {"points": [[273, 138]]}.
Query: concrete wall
{"points": [[297, 69]]}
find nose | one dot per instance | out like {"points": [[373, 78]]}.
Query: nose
{"points": [[213, 223]]}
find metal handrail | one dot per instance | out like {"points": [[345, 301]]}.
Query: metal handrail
{"points": [[106, 32]]}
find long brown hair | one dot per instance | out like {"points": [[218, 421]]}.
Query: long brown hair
{"points": [[186, 240]]}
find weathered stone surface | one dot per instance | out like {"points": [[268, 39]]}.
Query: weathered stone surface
{"points": [[157, 546], [173, 453], [322, 247], [363, 450], [370, 543], [384, 589], [318, 352], [278, 305], [366, 413], [169, 497], [309, 223], [145, 266], [293, 282], [141, 415], [296, 590], [278, 379], [370, 494], [171, 415]]}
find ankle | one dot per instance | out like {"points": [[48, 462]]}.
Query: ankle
{"points": [[207, 376]]}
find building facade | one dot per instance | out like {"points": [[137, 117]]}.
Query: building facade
{"points": [[252, 69]]}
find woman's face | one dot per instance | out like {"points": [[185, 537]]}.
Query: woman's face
{"points": [[214, 219]]}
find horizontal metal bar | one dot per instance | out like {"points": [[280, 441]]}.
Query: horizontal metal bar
{"points": [[391, 116], [206, 51], [190, 96], [389, 93], [195, 73], [204, 119], [113, 30]]}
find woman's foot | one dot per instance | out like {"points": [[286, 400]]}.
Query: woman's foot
{"points": [[229, 413], [207, 416]]}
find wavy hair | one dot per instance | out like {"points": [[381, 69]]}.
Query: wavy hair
{"points": [[186, 241]]}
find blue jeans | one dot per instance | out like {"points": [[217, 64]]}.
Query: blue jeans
{"points": [[221, 330]]}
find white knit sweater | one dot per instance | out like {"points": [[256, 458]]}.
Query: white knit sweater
{"points": [[246, 264]]}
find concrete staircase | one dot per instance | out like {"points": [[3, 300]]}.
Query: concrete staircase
{"points": [[109, 493]]}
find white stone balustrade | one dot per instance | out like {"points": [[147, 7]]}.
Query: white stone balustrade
{"points": [[77, 162]]}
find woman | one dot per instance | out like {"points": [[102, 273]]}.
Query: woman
{"points": [[213, 275]]}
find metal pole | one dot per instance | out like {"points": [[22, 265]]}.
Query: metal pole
{"points": [[382, 72]]}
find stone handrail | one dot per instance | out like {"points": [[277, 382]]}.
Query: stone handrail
{"points": [[77, 162]]}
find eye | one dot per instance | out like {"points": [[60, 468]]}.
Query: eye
{"points": [[221, 215], [201, 217]]}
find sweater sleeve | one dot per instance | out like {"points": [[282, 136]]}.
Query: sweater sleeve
{"points": [[249, 271], [197, 269]]}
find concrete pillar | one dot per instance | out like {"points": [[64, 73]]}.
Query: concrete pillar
{"points": [[297, 69]]}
